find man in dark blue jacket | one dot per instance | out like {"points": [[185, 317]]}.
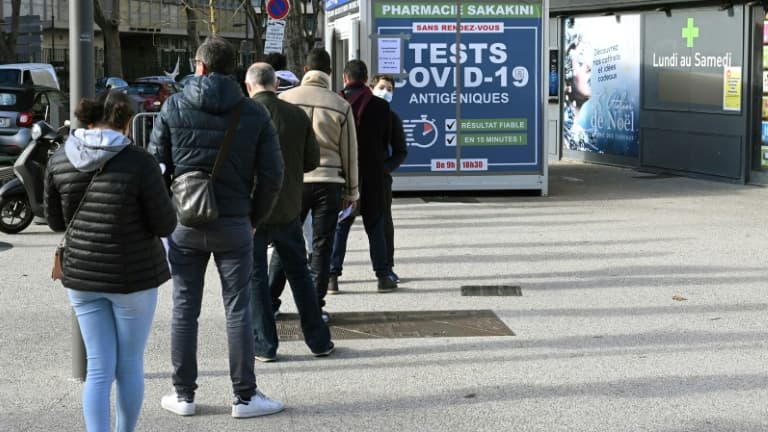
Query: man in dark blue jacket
{"points": [[187, 136]]}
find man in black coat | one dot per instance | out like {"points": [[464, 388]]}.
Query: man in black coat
{"points": [[372, 119], [188, 135], [301, 154]]}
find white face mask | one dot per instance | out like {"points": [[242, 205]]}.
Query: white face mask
{"points": [[386, 95]]}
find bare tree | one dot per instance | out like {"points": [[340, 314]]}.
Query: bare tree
{"points": [[257, 21], [193, 37], [110, 31], [299, 35], [8, 40]]}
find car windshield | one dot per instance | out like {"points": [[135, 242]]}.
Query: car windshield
{"points": [[142, 89], [10, 76], [7, 99]]}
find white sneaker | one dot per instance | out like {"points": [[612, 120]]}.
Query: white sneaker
{"points": [[178, 405], [259, 405]]}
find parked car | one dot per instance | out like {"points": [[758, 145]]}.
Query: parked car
{"points": [[157, 78], [20, 108], [113, 83], [152, 93], [39, 74]]}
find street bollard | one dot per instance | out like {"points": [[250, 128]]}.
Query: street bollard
{"points": [[79, 360]]}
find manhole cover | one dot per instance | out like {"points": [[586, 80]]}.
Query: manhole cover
{"points": [[5, 246], [491, 290], [391, 325], [655, 176], [450, 199]]}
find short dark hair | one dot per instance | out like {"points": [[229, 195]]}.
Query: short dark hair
{"points": [[356, 70], [217, 54], [276, 60], [319, 59], [382, 77], [113, 108]]}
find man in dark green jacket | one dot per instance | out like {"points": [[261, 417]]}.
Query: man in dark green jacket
{"points": [[301, 154]]}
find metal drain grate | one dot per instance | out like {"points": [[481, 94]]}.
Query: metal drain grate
{"points": [[491, 290], [655, 176], [450, 199], [391, 325]]}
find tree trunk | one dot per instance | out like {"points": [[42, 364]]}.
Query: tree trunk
{"points": [[294, 46], [256, 21], [298, 41], [193, 37], [110, 31], [8, 41], [214, 26]]}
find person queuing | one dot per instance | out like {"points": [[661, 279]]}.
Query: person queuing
{"points": [[109, 197], [333, 184], [373, 122], [188, 135], [383, 86], [283, 229], [286, 79]]}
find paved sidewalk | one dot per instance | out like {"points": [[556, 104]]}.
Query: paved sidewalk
{"points": [[644, 308]]}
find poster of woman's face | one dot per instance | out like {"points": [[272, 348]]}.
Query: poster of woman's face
{"points": [[601, 70], [581, 66]]}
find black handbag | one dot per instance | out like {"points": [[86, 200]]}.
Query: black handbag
{"points": [[57, 272], [193, 192]]}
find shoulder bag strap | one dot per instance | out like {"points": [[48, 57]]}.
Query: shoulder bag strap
{"points": [[224, 151], [79, 206]]}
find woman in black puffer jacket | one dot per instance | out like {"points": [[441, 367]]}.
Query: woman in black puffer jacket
{"points": [[114, 259]]}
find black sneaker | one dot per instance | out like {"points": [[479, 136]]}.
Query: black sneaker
{"points": [[385, 284], [325, 316], [327, 352], [333, 285]]}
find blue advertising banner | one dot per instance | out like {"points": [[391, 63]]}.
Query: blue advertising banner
{"points": [[601, 85], [470, 93]]}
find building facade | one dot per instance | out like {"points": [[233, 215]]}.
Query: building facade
{"points": [[153, 33], [664, 86]]}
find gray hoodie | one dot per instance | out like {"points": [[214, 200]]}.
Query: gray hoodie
{"points": [[89, 149]]}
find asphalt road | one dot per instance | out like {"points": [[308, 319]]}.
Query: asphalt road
{"points": [[644, 308]]}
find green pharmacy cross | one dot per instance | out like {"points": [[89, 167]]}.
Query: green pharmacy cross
{"points": [[690, 32]]}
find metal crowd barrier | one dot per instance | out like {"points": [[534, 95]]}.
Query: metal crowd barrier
{"points": [[141, 128]]}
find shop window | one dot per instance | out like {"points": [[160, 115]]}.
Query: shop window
{"points": [[691, 58]]}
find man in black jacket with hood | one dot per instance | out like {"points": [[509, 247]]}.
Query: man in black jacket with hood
{"points": [[187, 136]]}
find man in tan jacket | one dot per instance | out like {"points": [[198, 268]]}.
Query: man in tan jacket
{"points": [[332, 186]]}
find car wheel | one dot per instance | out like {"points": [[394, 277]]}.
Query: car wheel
{"points": [[15, 214]]}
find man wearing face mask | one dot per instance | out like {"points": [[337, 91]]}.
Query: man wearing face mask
{"points": [[383, 86]]}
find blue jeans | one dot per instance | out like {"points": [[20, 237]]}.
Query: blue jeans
{"points": [[323, 201], [374, 228], [289, 244], [115, 328], [189, 249]]}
